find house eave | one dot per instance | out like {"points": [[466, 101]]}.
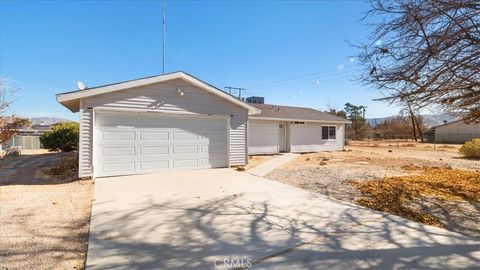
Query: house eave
{"points": [[71, 100], [299, 120]]}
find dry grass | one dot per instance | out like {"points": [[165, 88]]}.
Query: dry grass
{"points": [[404, 144], [67, 169], [395, 195]]}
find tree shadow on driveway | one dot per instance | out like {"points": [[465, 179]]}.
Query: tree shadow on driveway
{"points": [[202, 233]]}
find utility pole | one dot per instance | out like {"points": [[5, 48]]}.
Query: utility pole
{"points": [[163, 34], [230, 88]]}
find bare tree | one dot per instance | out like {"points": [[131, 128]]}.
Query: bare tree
{"points": [[426, 51], [8, 124], [413, 114]]}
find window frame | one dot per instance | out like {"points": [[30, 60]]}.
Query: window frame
{"points": [[329, 128]]}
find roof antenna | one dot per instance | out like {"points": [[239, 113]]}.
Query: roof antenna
{"points": [[163, 37]]}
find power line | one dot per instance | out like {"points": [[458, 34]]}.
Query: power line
{"points": [[333, 71], [230, 88], [315, 80]]}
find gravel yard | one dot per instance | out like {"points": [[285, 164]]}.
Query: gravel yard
{"points": [[44, 219], [327, 172]]}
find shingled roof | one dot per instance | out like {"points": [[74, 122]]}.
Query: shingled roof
{"points": [[279, 112]]}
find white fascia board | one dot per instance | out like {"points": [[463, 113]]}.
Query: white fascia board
{"points": [[300, 120], [77, 95]]}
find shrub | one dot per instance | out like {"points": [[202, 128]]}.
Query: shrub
{"points": [[471, 148], [63, 137]]}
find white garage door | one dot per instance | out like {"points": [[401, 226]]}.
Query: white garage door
{"points": [[144, 143]]}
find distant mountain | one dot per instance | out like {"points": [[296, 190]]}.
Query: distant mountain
{"points": [[47, 120], [430, 120]]}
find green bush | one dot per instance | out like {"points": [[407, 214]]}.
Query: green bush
{"points": [[63, 137], [471, 148]]}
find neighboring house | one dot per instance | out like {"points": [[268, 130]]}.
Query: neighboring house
{"points": [[456, 132], [27, 138], [171, 121], [294, 129]]}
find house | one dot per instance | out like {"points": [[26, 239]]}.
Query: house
{"points": [[294, 129], [176, 121], [456, 132], [26, 138]]}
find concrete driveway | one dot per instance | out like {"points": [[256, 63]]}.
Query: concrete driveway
{"points": [[221, 219]]}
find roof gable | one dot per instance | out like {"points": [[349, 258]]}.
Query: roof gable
{"points": [[71, 100]]}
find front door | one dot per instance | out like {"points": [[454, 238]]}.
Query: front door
{"points": [[282, 142]]}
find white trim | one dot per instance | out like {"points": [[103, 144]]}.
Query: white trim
{"points": [[228, 141], [298, 120], [94, 148], [66, 97], [247, 139]]}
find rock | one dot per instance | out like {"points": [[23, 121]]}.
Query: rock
{"points": [[368, 158], [241, 169], [325, 159], [390, 151], [308, 159], [322, 163]]}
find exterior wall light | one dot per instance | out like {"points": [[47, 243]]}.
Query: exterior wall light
{"points": [[180, 92]]}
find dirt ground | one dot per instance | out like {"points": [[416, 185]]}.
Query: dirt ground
{"points": [[44, 219], [328, 172]]}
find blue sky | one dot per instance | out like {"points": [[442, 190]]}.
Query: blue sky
{"points": [[292, 53]]}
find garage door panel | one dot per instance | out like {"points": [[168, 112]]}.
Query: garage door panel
{"points": [[154, 165], [153, 150], [118, 151], [185, 163], [118, 135], [181, 135], [119, 168], [154, 136], [146, 143], [185, 149]]}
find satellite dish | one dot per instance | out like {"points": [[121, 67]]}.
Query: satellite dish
{"points": [[81, 85]]}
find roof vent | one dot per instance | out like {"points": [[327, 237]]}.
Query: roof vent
{"points": [[275, 109]]}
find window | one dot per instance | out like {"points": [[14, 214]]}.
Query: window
{"points": [[329, 132], [297, 123]]}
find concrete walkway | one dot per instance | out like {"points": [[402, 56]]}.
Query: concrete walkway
{"points": [[223, 219], [272, 164]]}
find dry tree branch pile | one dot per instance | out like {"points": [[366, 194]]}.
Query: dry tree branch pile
{"points": [[395, 194]]}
